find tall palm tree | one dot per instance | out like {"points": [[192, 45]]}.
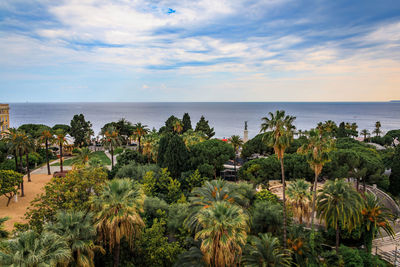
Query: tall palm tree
{"points": [[47, 138], [299, 198], [76, 228], [365, 133], [139, 131], [111, 140], [117, 214], [30, 249], [279, 129], [61, 141], [375, 217], [317, 149], [265, 251], [17, 144], [27, 147], [339, 205], [377, 131], [223, 233], [82, 156], [236, 142]]}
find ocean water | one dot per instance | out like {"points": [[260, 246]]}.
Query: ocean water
{"points": [[226, 118]]}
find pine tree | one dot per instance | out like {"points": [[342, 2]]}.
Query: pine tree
{"points": [[187, 123], [394, 178], [203, 126]]}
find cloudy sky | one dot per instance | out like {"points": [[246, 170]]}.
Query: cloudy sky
{"points": [[204, 50]]}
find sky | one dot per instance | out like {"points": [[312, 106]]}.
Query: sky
{"points": [[199, 50]]}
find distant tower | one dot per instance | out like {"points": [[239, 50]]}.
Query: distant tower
{"points": [[246, 133], [4, 117]]}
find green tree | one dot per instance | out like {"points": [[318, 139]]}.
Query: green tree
{"points": [[63, 127], [316, 149], [27, 146], [111, 140], [76, 228], [30, 249], [139, 131], [187, 123], [154, 248], [80, 130], [176, 156], [394, 177], [61, 141], [203, 126], [3, 232], [9, 182], [33, 130], [299, 198], [279, 130], [365, 133], [178, 126], [265, 251], [236, 142], [377, 131], [69, 193], [47, 138], [375, 217], [10, 139], [117, 216], [266, 216], [223, 233], [339, 205], [213, 152]]}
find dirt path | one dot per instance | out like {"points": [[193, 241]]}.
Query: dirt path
{"points": [[16, 210]]}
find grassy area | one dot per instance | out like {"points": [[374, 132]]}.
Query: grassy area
{"points": [[98, 154]]}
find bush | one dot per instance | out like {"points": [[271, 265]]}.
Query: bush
{"points": [[154, 208], [350, 256], [136, 171], [266, 217], [266, 195]]}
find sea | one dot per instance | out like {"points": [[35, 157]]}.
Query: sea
{"points": [[227, 118]]}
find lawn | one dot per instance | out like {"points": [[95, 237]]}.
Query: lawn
{"points": [[98, 154]]}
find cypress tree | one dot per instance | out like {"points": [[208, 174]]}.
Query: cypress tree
{"points": [[394, 178], [187, 123], [176, 156], [203, 126], [162, 148]]}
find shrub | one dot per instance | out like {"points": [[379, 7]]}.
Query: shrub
{"points": [[350, 256], [266, 195]]}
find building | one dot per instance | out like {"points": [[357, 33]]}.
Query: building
{"points": [[4, 117]]}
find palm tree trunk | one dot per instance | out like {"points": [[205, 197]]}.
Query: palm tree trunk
{"points": [[16, 162], [358, 184], [112, 157], [21, 169], [314, 196], [116, 254], [234, 165], [27, 167], [364, 184], [337, 238], [284, 203], [47, 158], [140, 150], [61, 158]]}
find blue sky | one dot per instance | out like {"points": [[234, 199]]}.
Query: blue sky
{"points": [[205, 50]]}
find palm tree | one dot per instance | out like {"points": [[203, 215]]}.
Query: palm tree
{"points": [[76, 228], [223, 233], [365, 133], [339, 205], [27, 145], [236, 142], [12, 146], [178, 126], [299, 198], [140, 131], [61, 141], [278, 130], [204, 197], [265, 251], [375, 217], [377, 130], [30, 249], [46, 137], [82, 156], [17, 143], [117, 214], [111, 140], [316, 149]]}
